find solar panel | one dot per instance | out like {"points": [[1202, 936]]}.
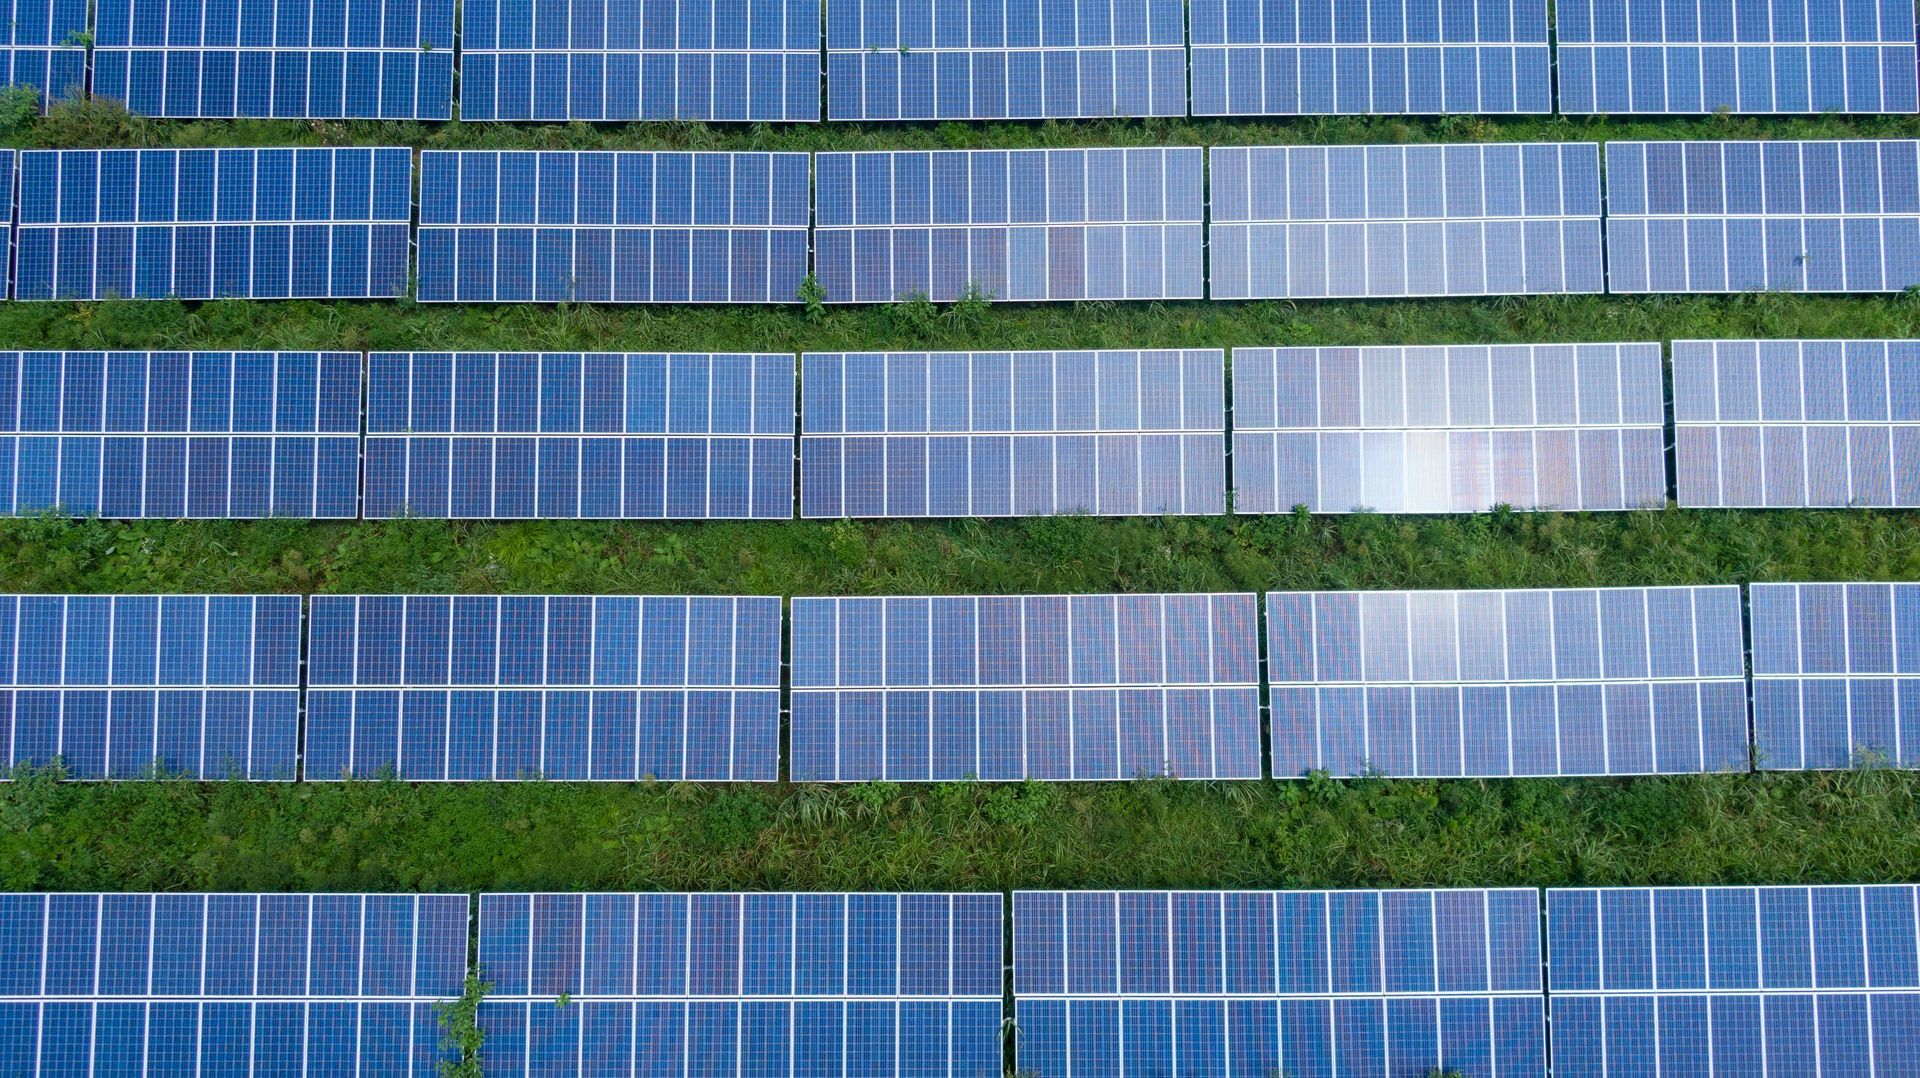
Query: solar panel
{"points": [[228, 983], [128, 686], [742, 984], [640, 60], [599, 226], [358, 59], [1763, 216], [988, 60], [1449, 429], [689, 436], [1797, 423], [1387, 57], [1652, 56], [43, 44], [494, 688], [1009, 225], [214, 224], [1587, 681], [979, 434], [180, 434], [1010, 687], [1734, 980], [1836, 675], [1279, 982], [1295, 222]]}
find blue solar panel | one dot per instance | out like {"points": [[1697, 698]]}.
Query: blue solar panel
{"points": [[1797, 423], [760, 984], [115, 686], [1355, 221], [980, 434], [487, 687], [1279, 982], [1449, 429], [990, 60], [362, 59], [228, 983], [640, 60], [690, 436], [1025, 687], [1607, 681], [210, 224], [1734, 981], [1385, 57], [1836, 675], [1654, 56], [612, 227], [43, 44], [1763, 216], [180, 434], [1009, 224]]}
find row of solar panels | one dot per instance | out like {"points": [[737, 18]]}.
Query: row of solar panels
{"points": [[1286, 222], [1736, 981], [1562, 682]]}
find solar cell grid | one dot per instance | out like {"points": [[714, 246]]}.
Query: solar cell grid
{"points": [[43, 45], [1607, 681], [1836, 675]]}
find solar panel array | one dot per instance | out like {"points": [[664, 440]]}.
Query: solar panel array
{"points": [[300, 59], [1756, 56], [227, 983], [497, 688], [742, 983], [1081, 687], [989, 60], [176, 434], [1734, 980], [1607, 681], [979, 434], [1797, 423], [212, 224], [688, 436], [1278, 982], [1296, 222], [600, 226], [1763, 216], [1022, 225], [668, 60], [43, 45], [1388, 57], [1836, 675], [129, 686], [1449, 429]]}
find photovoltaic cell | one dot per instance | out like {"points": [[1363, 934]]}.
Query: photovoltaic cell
{"points": [[1763, 216], [1384, 57], [180, 434], [600, 226], [990, 60], [1295, 222], [43, 44], [742, 984], [1754, 56], [117, 686], [1279, 982], [1449, 429], [358, 59], [214, 224], [688, 436], [1734, 980], [1836, 675], [979, 434], [1606, 681], [1797, 423], [1021, 225], [640, 60], [1013, 687], [228, 983], [496, 688]]}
